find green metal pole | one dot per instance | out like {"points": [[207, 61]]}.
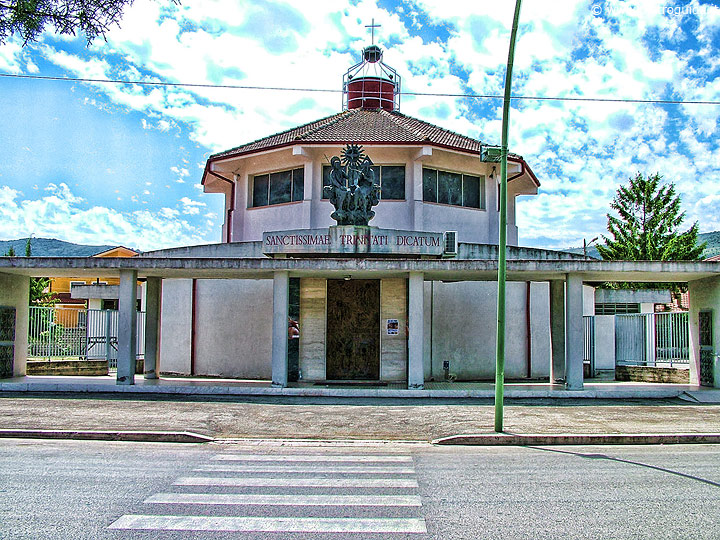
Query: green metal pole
{"points": [[502, 244]]}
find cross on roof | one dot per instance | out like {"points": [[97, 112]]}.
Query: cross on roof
{"points": [[372, 27]]}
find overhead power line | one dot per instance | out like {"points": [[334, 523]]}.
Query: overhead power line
{"points": [[422, 94]]}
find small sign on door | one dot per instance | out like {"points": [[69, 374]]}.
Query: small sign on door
{"points": [[393, 326]]}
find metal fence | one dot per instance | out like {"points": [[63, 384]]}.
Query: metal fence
{"points": [[652, 339], [70, 333]]}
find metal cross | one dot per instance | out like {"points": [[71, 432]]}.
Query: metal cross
{"points": [[372, 27]]}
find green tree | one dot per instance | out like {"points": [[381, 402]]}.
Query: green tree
{"points": [[40, 294], [28, 247], [10, 252], [28, 18], [647, 227]]}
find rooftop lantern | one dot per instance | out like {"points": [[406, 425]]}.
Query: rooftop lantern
{"points": [[371, 84]]}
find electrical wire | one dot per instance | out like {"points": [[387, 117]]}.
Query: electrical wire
{"points": [[419, 94]]}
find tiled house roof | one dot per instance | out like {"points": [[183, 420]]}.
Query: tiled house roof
{"points": [[362, 126]]}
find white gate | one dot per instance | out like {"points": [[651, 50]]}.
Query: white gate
{"points": [[652, 339], [92, 334]]}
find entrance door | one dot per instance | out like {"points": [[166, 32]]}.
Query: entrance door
{"points": [[707, 350], [353, 330]]}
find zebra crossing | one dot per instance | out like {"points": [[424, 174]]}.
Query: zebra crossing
{"points": [[289, 493]]}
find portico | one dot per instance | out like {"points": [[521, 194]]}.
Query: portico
{"points": [[565, 278]]}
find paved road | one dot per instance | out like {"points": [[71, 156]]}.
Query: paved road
{"points": [[98, 490]]}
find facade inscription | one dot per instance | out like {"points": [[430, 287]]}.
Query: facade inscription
{"points": [[353, 239]]}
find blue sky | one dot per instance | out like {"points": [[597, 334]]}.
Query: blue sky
{"points": [[121, 163]]}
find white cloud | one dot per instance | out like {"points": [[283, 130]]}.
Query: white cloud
{"points": [[191, 207], [581, 151], [60, 214]]}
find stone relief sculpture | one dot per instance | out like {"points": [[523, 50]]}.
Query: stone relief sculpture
{"points": [[352, 190]]}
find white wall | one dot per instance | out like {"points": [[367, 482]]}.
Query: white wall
{"points": [[233, 335], [175, 326], [464, 329]]}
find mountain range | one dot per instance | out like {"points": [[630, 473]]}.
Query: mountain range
{"points": [[50, 247]]}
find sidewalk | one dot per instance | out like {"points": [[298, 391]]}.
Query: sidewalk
{"points": [[594, 388], [335, 419]]}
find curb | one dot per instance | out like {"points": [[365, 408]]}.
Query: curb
{"points": [[510, 439], [130, 436], [320, 391]]}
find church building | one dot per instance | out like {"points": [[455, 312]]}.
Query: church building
{"points": [[437, 199], [359, 249]]}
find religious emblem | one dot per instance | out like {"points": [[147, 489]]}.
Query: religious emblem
{"points": [[352, 190]]}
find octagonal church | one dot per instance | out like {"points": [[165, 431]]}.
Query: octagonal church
{"points": [[372, 184]]}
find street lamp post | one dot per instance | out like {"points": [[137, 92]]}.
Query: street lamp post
{"points": [[502, 244], [587, 245]]}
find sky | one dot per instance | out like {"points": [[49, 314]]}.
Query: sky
{"points": [[120, 164]]}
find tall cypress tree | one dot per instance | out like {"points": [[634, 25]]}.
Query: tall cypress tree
{"points": [[648, 223]]}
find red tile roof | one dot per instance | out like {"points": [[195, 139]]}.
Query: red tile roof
{"points": [[362, 126]]}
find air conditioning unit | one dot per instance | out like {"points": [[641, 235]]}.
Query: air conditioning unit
{"points": [[450, 243]]}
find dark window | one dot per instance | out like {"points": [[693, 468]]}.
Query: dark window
{"points": [[449, 188], [391, 179], [278, 187], [298, 189], [392, 182], [471, 191], [430, 185], [260, 190], [453, 188]]}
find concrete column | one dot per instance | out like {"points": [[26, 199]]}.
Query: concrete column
{"points": [[281, 281], [416, 339], [127, 327], [152, 326], [574, 333], [557, 330]]}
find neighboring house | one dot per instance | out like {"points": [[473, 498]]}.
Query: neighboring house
{"points": [[97, 293], [629, 301]]}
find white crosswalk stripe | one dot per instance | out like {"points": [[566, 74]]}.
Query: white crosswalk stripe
{"points": [[284, 500], [273, 481], [344, 469], [313, 458], [279, 524], [300, 486]]}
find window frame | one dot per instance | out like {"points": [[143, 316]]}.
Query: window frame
{"points": [[294, 181], [481, 188]]}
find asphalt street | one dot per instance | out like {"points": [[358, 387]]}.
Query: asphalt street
{"points": [[272, 490]]}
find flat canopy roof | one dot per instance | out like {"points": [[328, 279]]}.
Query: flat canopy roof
{"points": [[434, 269]]}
